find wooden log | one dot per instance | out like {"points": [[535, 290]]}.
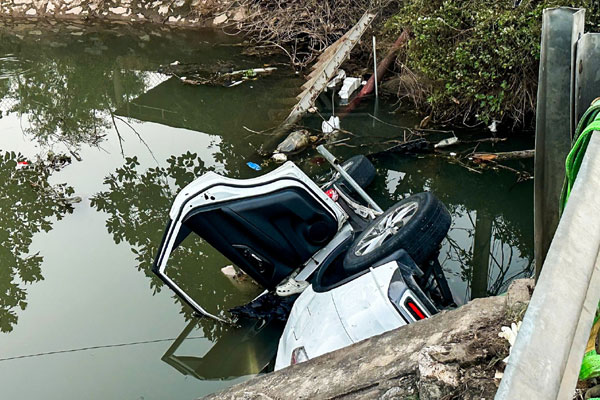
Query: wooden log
{"points": [[503, 156]]}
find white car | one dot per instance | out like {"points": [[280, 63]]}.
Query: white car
{"points": [[351, 270]]}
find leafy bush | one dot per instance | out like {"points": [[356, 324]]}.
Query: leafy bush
{"points": [[476, 60]]}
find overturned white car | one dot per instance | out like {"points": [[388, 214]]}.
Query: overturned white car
{"points": [[350, 270]]}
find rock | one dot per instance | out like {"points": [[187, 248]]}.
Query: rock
{"points": [[240, 14], [75, 11], [220, 19], [31, 11], [520, 291], [436, 378], [163, 10], [117, 10]]}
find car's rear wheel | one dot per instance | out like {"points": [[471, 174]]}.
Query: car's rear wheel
{"points": [[416, 224]]}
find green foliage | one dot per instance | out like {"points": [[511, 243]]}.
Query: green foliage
{"points": [[477, 60]]}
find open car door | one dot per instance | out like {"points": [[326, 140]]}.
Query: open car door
{"points": [[268, 226]]}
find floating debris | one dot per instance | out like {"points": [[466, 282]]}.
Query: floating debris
{"points": [[254, 166], [295, 141], [219, 75]]}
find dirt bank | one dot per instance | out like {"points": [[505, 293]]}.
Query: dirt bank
{"points": [[453, 355]]}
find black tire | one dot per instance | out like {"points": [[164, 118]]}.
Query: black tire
{"points": [[360, 169], [420, 234]]}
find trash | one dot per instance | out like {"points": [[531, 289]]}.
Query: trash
{"points": [[341, 75], [446, 142], [349, 86], [229, 271], [452, 154], [197, 74], [333, 124], [254, 166], [21, 164], [493, 126], [333, 194], [279, 157], [510, 334], [295, 141]]}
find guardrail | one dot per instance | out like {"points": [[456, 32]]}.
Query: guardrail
{"points": [[546, 358]]}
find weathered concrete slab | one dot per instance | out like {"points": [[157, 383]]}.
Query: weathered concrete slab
{"points": [[452, 353]]}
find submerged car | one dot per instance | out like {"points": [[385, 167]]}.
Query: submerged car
{"points": [[350, 270]]}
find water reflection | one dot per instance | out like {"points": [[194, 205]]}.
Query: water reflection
{"points": [[247, 349], [491, 238], [137, 204], [28, 204]]}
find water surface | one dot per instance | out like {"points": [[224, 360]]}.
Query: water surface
{"points": [[76, 275]]}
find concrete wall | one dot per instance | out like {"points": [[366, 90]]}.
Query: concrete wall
{"points": [[176, 12]]}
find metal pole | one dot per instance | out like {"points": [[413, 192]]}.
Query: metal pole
{"points": [[561, 29], [336, 165], [375, 65]]}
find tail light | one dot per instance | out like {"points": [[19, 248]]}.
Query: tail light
{"points": [[298, 355]]}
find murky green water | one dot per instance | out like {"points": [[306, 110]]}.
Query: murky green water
{"points": [[78, 276]]}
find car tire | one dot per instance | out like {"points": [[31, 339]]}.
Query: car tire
{"points": [[417, 224], [360, 169]]}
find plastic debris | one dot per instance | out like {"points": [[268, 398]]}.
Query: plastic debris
{"points": [[295, 141], [493, 126], [21, 164], [279, 157], [510, 334], [333, 194], [350, 85], [333, 124], [175, 63], [446, 142], [254, 166], [229, 271], [341, 75]]}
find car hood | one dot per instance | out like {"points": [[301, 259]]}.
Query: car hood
{"points": [[324, 322]]}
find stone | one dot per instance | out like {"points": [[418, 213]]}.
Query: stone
{"points": [[220, 19], [240, 14], [75, 11], [31, 11], [163, 10], [117, 10]]}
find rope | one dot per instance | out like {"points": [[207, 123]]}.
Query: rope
{"points": [[104, 346], [590, 122]]}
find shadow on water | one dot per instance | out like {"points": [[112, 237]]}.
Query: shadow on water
{"points": [[73, 89]]}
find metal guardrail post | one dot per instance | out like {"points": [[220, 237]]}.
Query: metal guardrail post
{"points": [[587, 78], [561, 29], [546, 357]]}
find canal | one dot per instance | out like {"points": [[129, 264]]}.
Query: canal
{"points": [[94, 145]]}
